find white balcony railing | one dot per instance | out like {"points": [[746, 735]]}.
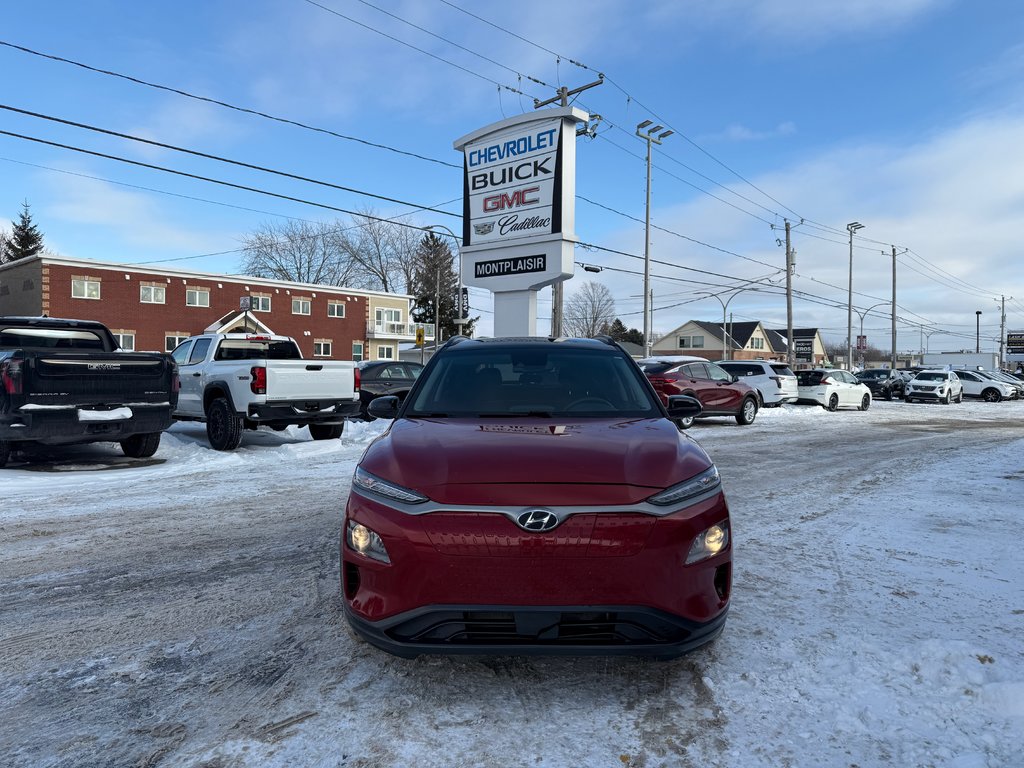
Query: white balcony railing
{"points": [[391, 330]]}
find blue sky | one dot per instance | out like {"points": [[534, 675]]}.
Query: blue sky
{"points": [[905, 115]]}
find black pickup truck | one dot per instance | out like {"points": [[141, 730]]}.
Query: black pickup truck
{"points": [[66, 381]]}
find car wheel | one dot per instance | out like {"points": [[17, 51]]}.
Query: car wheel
{"points": [[833, 403], [888, 394], [991, 396], [748, 412], [948, 398], [865, 403], [326, 431], [760, 399], [960, 396], [223, 426], [141, 446], [686, 422], [5, 452]]}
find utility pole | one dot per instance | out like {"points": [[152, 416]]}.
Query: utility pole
{"points": [[1002, 333], [790, 348], [557, 293], [650, 137], [437, 310], [852, 227], [977, 331], [892, 362]]}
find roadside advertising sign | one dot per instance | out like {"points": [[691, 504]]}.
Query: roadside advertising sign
{"points": [[803, 349]]}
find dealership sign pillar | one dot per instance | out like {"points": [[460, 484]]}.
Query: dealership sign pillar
{"points": [[519, 211]]}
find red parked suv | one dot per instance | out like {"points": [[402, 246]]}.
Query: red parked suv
{"points": [[719, 392], [535, 496]]}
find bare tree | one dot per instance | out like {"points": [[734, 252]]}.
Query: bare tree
{"points": [[588, 310], [384, 250], [303, 252]]}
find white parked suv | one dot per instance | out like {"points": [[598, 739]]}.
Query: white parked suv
{"points": [[978, 384], [831, 388], [775, 382], [940, 386]]}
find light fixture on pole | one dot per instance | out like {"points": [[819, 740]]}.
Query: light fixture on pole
{"points": [[725, 307], [977, 331], [651, 136], [462, 316], [862, 315], [852, 227]]}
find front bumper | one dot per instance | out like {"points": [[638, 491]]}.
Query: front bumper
{"points": [[473, 582], [934, 394]]}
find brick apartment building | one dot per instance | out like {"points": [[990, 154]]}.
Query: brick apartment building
{"points": [[151, 308]]}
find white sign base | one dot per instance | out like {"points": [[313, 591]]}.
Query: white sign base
{"points": [[515, 313]]}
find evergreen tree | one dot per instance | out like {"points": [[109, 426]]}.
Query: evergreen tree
{"points": [[24, 241], [618, 331], [434, 274]]}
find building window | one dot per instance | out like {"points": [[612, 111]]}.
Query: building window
{"points": [[385, 353], [83, 288], [300, 306], [321, 348], [335, 308], [172, 340], [357, 351], [197, 297], [757, 343], [125, 341], [152, 294], [260, 303], [691, 342]]}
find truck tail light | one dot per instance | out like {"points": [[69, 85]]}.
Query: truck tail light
{"points": [[358, 379], [777, 380], [175, 382], [10, 375], [258, 382]]}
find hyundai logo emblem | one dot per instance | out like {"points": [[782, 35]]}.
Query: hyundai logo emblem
{"points": [[537, 520]]}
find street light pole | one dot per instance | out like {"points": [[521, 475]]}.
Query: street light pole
{"points": [[459, 320], [852, 227], [977, 331], [725, 307], [862, 315], [649, 136]]}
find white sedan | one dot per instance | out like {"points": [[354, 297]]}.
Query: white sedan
{"points": [[831, 388]]}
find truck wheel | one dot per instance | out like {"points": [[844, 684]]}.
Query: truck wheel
{"points": [[5, 452], [141, 446], [326, 431], [223, 426]]}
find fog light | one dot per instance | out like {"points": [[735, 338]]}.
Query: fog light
{"points": [[366, 542], [709, 543]]}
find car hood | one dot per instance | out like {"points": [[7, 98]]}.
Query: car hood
{"points": [[535, 461]]}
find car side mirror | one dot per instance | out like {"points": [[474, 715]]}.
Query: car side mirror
{"points": [[383, 407], [683, 407], [735, 378]]}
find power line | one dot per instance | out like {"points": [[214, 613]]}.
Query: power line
{"points": [[226, 105], [208, 156]]}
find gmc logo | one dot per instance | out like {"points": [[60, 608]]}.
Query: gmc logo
{"points": [[518, 198]]}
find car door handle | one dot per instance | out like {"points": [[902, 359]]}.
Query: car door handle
{"points": [[197, 374]]}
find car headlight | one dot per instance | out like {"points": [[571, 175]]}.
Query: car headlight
{"points": [[367, 482], [366, 542], [707, 480], [709, 543]]}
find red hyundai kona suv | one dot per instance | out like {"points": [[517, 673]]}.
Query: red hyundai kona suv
{"points": [[535, 496]]}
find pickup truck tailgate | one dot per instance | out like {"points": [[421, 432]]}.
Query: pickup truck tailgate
{"points": [[309, 380], [63, 379]]}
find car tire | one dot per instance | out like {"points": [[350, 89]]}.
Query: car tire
{"points": [[948, 398], [865, 403], [747, 413], [326, 431], [141, 446], [959, 397], [685, 422], [5, 452], [889, 395], [991, 396], [833, 403], [223, 426]]}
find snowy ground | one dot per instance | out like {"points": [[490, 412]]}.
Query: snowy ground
{"points": [[186, 612]]}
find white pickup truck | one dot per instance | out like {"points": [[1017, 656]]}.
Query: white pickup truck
{"points": [[236, 381]]}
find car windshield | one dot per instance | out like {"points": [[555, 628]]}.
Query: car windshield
{"points": [[656, 368], [926, 376], [873, 375], [532, 381]]}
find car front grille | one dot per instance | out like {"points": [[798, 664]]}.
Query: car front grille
{"points": [[533, 628]]}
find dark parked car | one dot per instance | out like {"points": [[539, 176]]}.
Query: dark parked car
{"points": [[884, 383], [385, 377], [535, 496], [720, 392]]}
